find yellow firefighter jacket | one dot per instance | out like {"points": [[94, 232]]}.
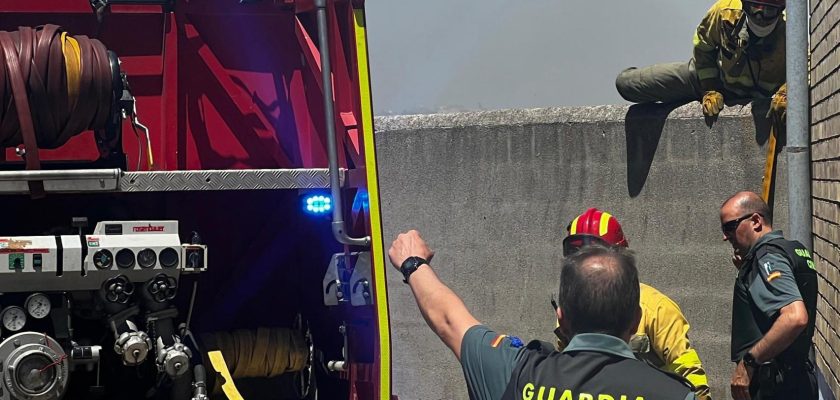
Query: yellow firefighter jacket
{"points": [[728, 58], [662, 339]]}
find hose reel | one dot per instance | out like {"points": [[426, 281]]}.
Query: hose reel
{"points": [[264, 353], [54, 86]]}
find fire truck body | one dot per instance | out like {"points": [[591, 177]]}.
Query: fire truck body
{"points": [[235, 166]]}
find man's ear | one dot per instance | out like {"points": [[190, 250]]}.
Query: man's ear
{"points": [[561, 330], [634, 326], [758, 222], [563, 323]]}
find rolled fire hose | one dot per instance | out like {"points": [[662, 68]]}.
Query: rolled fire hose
{"points": [[54, 86], [260, 353]]}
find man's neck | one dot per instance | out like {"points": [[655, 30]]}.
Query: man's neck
{"points": [[765, 230], [760, 234]]}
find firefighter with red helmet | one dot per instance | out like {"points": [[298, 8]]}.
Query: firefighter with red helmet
{"points": [[739, 53], [662, 335]]}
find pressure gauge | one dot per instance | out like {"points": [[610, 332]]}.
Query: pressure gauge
{"points": [[146, 258], [38, 305], [168, 258], [125, 259], [14, 318], [103, 259]]}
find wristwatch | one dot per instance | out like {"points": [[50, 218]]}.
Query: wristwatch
{"points": [[410, 265], [750, 361]]}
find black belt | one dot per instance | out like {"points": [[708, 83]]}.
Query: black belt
{"points": [[789, 366]]}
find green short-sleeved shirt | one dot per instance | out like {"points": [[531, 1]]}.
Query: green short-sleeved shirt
{"points": [[488, 359], [775, 285]]}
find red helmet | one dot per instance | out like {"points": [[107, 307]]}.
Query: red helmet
{"points": [[771, 3], [593, 226]]}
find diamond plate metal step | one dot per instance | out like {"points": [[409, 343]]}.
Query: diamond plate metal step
{"points": [[114, 180], [246, 179]]}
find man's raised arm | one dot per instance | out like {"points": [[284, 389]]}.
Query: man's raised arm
{"points": [[443, 310]]}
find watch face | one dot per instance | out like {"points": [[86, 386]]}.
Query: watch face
{"points": [[410, 265]]}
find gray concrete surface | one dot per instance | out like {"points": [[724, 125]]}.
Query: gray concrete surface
{"points": [[493, 191]]}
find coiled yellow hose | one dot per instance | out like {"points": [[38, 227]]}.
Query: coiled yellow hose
{"points": [[261, 353]]}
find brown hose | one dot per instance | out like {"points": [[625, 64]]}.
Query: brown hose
{"points": [[53, 87], [260, 353]]}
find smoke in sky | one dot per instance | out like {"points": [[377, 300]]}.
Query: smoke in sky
{"points": [[443, 55]]}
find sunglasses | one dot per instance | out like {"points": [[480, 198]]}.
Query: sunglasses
{"points": [[573, 243], [731, 226], [762, 11]]}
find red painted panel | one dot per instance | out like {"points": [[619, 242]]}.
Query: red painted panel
{"points": [[219, 84], [224, 85], [141, 51]]}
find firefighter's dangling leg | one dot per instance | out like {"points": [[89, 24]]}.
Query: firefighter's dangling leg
{"points": [[666, 83]]}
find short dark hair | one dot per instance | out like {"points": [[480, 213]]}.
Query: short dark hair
{"points": [[752, 203], [603, 299]]}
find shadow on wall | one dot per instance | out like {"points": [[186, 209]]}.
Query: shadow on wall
{"points": [[643, 126]]}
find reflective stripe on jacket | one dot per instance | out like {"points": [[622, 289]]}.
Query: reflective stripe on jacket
{"points": [[662, 340], [664, 326]]}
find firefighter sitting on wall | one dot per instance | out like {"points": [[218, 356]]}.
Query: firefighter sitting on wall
{"points": [[662, 336], [739, 53]]}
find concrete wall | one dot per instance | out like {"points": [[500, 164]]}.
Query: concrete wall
{"points": [[825, 147], [493, 191]]}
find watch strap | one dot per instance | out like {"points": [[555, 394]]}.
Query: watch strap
{"points": [[410, 265], [750, 361]]}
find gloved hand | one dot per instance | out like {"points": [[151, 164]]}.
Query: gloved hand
{"points": [[712, 103], [778, 107]]}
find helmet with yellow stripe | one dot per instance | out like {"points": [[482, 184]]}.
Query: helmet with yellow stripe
{"points": [[593, 227]]}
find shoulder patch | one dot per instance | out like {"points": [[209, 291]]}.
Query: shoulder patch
{"points": [[774, 266], [497, 341], [768, 268], [513, 341]]}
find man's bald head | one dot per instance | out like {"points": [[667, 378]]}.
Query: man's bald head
{"points": [[599, 291], [747, 202]]}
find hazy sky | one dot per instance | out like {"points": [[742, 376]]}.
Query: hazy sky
{"points": [[437, 55]]}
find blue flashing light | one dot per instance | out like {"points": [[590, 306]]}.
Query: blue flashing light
{"points": [[361, 201], [318, 204]]}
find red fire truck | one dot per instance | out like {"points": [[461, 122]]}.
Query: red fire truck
{"points": [[191, 202]]}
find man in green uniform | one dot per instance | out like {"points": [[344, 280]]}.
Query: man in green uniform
{"points": [[774, 305], [599, 297], [739, 53]]}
